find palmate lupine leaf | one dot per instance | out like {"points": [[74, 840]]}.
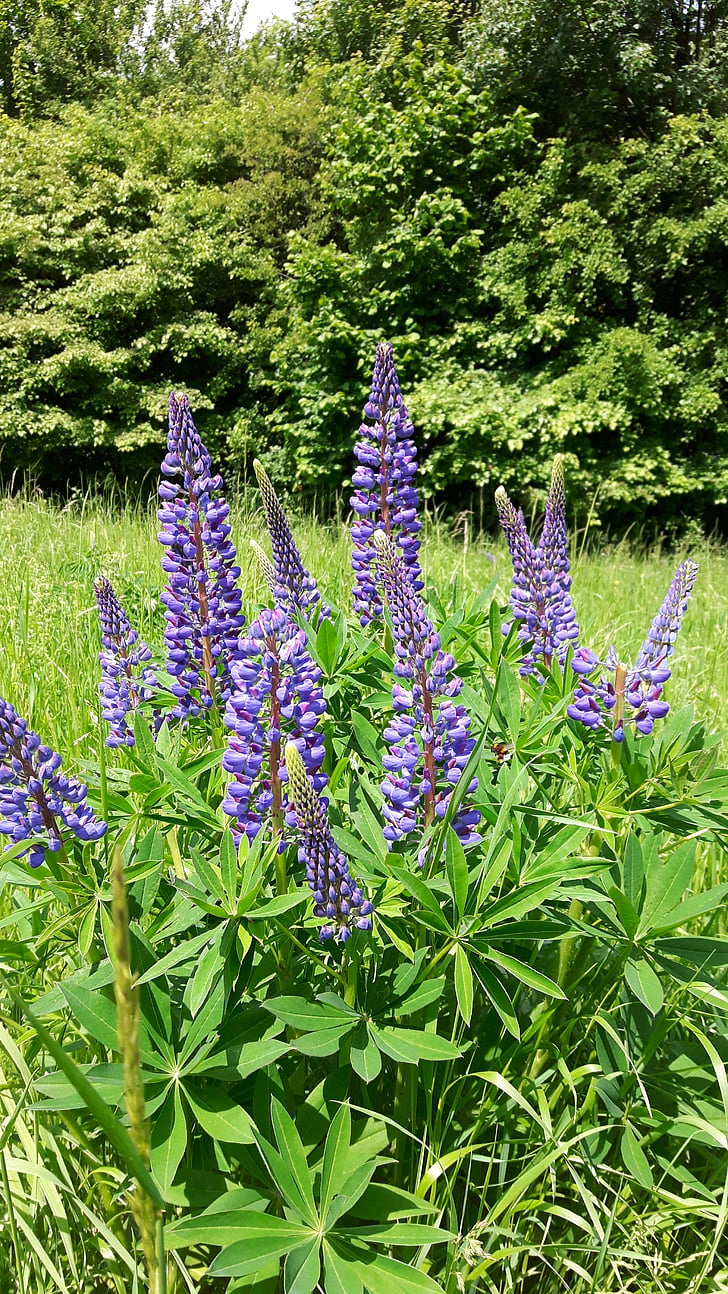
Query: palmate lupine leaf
{"points": [[317, 1227]]}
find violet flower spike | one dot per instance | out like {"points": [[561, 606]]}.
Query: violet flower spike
{"points": [[295, 588], [429, 735], [36, 798], [633, 695], [338, 901], [202, 601], [384, 496], [541, 593], [276, 696], [125, 682]]}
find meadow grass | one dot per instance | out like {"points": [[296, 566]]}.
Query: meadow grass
{"points": [[48, 623]]}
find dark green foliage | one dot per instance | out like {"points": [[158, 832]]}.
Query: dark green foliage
{"points": [[527, 199], [135, 251]]}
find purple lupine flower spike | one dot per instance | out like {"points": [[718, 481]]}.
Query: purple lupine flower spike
{"points": [[429, 736], [202, 601], [633, 695], [295, 588], [541, 593], [125, 682], [276, 695], [338, 901], [384, 494], [36, 798]]}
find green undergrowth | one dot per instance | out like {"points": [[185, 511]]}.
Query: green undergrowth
{"points": [[514, 1084]]}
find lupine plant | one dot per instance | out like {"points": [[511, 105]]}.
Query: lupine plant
{"points": [[541, 593], [126, 678], [411, 979], [385, 498], [202, 600]]}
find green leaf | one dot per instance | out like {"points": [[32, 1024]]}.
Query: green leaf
{"points": [[323, 1043], [526, 974], [412, 1045], [219, 1115], [666, 881], [340, 1274], [633, 871], [302, 1267], [95, 1012], [219, 1225], [696, 905], [382, 1275], [178, 956], [400, 1233], [307, 1016], [264, 1238], [229, 866], [336, 1149], [383, 1203], [635, 1159], [294, 1155], [644, 983], [367, 738], [500, 1000], [144, 748], [629, 919], [508, 698], [463, 984], [457, 872], [365, 1057], [327, 647], [169, 1139], [430, 990]]}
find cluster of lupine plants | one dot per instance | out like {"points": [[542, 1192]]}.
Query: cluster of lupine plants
{"points": [[347, 891]]}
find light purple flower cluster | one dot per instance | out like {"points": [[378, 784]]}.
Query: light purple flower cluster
{"points": [[429, 736], [384, 494], [276, 693], [294, 588], [541, 593], [338, 901], [639, 687], [36, 798], [125, 682], [202, 601]]}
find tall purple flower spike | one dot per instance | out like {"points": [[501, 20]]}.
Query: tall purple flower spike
{"points": [[633, 695], [125, 682], [276, 696], [338, 901], [384, 494], [429, 736], [202, 601], [36, 798], [295, 590], [541, 593]]}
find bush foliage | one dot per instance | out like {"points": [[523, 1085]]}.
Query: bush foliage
{"points": [[548, 263]]}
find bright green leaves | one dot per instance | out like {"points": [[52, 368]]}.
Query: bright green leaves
{"points": [[333, 1216], [325, 1024]]}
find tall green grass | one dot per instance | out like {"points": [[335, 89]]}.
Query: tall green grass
{"points": [[49, 631]]}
